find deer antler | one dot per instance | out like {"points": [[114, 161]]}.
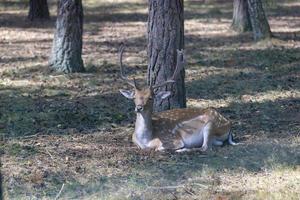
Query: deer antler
{"points": [[123, 77], [179, 66]]}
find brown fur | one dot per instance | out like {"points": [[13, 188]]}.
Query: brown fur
{"points": [[174, 129]]}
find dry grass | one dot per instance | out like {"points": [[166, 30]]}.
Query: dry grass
{"points": [[76, 129]]}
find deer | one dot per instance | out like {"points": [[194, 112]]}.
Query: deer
{"points": [[179, 130]]}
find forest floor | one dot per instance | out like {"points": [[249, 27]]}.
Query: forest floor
{"points": [[72, 133]]}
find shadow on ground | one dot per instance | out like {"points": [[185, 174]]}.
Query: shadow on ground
{"points": [[147, 174], [50, 110]]}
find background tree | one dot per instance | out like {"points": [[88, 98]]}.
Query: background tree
{"points": [[259, 22], [241, 20], [165, 36], [67, 43], [38, 10]]}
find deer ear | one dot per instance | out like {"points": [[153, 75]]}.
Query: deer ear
{"points": [[163, 94], [127, 93]]}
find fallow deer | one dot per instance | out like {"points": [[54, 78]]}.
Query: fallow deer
{"points": [[177, 129]]}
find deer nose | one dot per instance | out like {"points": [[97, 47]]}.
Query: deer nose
{"points": [[138, 108]]}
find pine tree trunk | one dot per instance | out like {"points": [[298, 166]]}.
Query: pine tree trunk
{"points": [[38, 10], [241, 20], [165, 36], [1, 179], [259, 22], [67, 43]]}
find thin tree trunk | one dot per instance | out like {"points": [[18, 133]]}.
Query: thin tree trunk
{"points": [[1, 181], [165, 36], [241, 20], [38, 10], [259, 22], [67, 43]]}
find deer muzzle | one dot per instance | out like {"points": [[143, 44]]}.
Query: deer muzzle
{"points": [[139, 108]]}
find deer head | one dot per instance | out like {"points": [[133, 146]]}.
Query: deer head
{"points": [[143, 95]]}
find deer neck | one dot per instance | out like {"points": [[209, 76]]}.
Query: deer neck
{"points": [[143, 128]]}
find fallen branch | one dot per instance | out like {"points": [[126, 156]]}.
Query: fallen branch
{"points": [[60, 191], [27, 136], [166, 187], [189, 192], [49, 154], [201, 185]]}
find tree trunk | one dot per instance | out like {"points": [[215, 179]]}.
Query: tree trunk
{"points": [[165, 36], [241, 20], [67, 43], [38, 10], [259, 22], [1, 178]]}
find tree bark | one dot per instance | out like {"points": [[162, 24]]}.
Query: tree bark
{"points": [[67, 43], [38, 10], [241, 20], [259, 22], [165, 36]]}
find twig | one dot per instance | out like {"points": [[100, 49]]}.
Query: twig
{"points": [[200, 184], [175, 197], [49, 154], [27, 136], [189, 192], [166, 187], [179, 163], [60, 191]]}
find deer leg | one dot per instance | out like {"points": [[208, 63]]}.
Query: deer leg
{"points": [[230, 139], [183, 150], [206, 136], [156, 144]]}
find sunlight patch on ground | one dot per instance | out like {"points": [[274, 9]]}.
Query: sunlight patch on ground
{"points": [[213, 28], [261, 97], [14, 35], [271, 184], [196, 72], [285, 24], [290, 4]]}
